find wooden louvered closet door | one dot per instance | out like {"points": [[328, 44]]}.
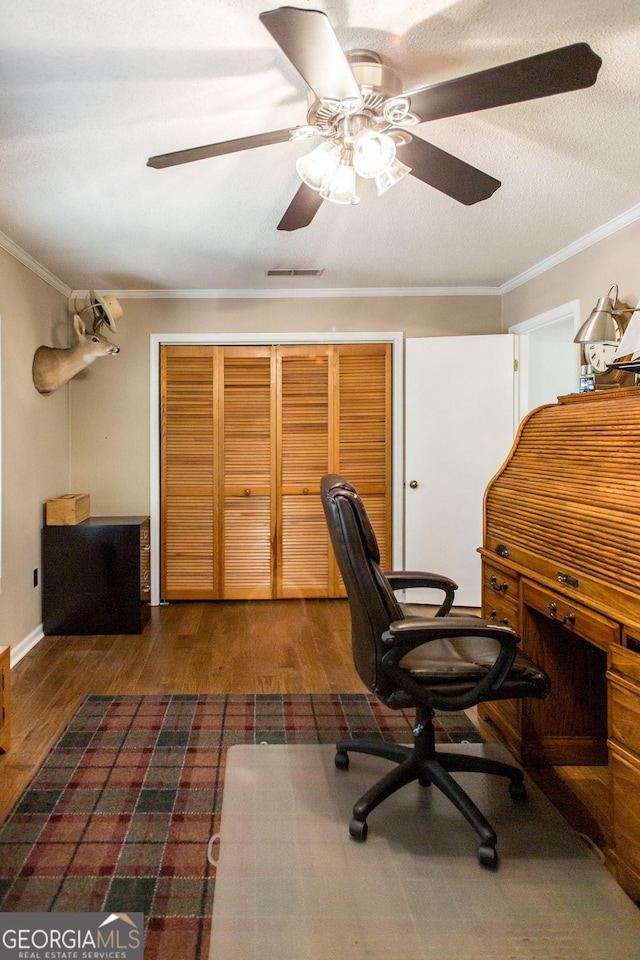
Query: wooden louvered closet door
{"points": [[363, 436], [246, 438], [303, 458], [188, 441], [247, 482]]}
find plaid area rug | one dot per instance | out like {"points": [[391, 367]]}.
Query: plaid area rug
{"points": [[120, 814]]}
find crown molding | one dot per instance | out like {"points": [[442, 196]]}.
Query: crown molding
{"points": [[303, 293], [600, 233], [16, 251]]}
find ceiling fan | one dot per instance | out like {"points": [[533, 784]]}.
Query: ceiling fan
{"points": [[358, 109]]}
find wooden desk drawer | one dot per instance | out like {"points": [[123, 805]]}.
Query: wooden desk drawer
{"points": [[624, 713], [585, 623], [626, 662], [500, 602], [625, 777], [498, 582], [502, 610]]}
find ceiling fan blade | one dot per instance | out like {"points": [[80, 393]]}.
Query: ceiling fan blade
{"points": [[218, 149], [446, 173], [543, 75], [302, 209], [306, 37]]}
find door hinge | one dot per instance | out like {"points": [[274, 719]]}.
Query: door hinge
{"points": [[516, 366]]}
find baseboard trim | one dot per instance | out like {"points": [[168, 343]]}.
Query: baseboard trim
{"points": [[21, 649]]}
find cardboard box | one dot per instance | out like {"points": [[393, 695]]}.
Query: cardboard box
{"points": [[66, 510]]}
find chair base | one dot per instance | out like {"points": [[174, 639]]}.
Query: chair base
{"points": [[426, 765]]}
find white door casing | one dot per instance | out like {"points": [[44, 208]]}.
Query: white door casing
{"points": [[549, 360]]}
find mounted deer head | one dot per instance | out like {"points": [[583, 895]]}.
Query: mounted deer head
{"points": [[55, 366]]}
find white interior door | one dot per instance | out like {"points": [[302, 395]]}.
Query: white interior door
{"points": [[459, 429]]}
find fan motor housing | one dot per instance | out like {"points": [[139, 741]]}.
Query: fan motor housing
{"points": [[377, 83], [371, 73]]}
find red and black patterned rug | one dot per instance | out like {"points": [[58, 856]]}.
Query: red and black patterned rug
{"points": [[120, 814]]}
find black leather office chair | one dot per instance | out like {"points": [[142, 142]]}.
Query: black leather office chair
{"points": [[426, 663]]}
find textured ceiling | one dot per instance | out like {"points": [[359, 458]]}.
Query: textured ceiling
{"points": [[90, 90]]}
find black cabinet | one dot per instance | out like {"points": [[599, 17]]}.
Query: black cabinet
{"points": [[95, 576]]}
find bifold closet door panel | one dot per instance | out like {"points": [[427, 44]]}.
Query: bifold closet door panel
{"points": [[335, 416], [363, 431], [188, 443], [305, 434], [247, 480]]}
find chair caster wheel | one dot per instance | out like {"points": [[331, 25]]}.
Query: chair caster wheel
{"points": [[517, 791], [358, 830], [342, 761], [487, 856]]}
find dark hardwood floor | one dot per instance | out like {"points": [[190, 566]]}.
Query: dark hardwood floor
{"points": [[282, 646]]}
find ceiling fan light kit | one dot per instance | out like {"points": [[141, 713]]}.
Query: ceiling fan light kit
{"points": [[388, 178], [361, 133], [367, 152], [373, 154], [318, 167], [340, 187], [357, 105]]}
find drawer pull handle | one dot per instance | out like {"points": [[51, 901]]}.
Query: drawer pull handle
{"points": [[498, 587], [145, 547], [568, 617], [494, 616], [247, 492], [305, 491]]}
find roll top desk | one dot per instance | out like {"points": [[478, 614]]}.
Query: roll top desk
{"points": [[561, 564]]}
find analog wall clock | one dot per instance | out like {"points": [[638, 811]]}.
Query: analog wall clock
{"points": [[600, 354]]}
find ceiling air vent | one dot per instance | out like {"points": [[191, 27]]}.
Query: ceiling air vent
{"points": [[288, 272]]}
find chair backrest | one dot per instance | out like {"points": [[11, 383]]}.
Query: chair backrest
{"points": [[372, 602]]}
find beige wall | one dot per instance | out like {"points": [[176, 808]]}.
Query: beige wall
{"points": [[584, 277], [110, 402], [35, 439]]}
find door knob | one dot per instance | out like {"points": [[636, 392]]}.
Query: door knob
{"points": [[413, 484]]}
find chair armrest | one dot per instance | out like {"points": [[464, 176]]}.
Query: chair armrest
{"points": [[405, 635], [408, 579], [418, 630]]}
